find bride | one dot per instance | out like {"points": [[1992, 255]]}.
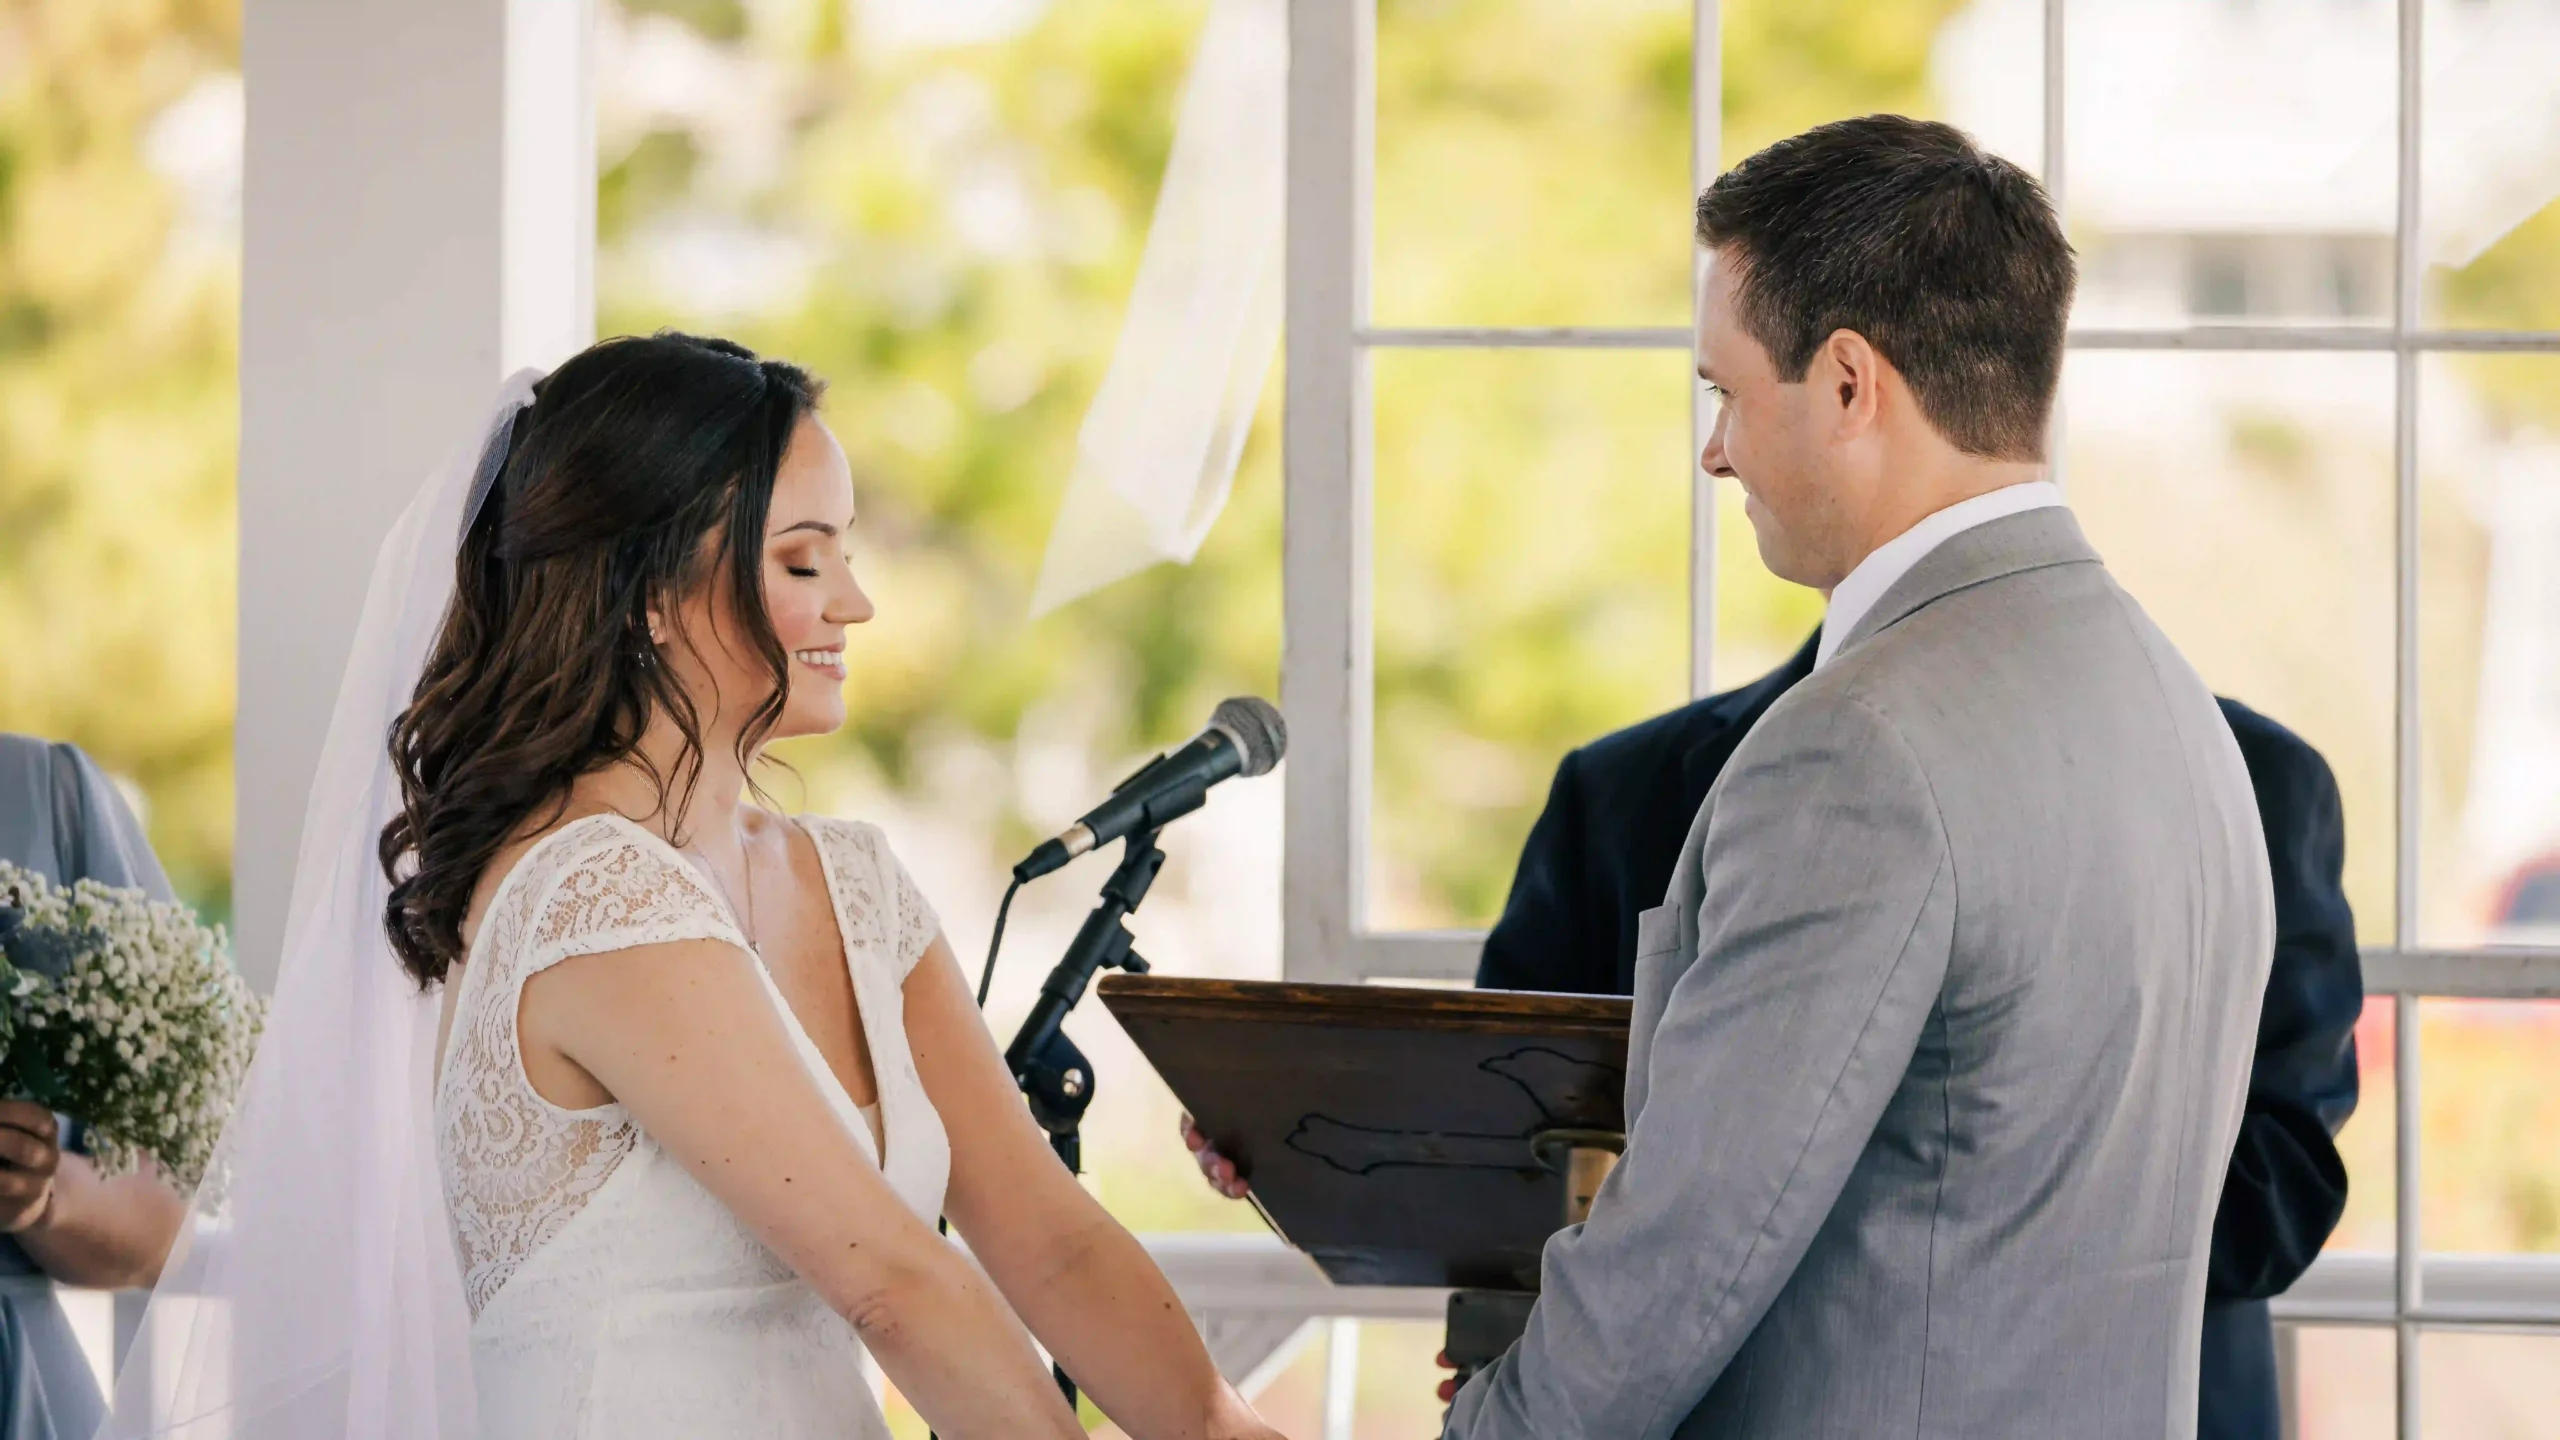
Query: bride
{"points": [[701, 1076]]}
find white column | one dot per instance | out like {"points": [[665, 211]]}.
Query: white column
{"points": [[418, 215], [546, 277], [1325, 664]]}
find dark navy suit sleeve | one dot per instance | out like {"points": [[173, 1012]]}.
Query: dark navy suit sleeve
{"points": [[2287, 1187], [1546, 939]]}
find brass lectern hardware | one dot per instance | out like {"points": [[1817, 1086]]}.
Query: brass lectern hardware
{"points": [[1552, 1146], [1584, 1158]]}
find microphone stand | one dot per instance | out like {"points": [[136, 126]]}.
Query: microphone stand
{"points": [[1054, 1075]]}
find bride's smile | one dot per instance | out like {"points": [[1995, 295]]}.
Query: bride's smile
{"points": [[829, 663]]}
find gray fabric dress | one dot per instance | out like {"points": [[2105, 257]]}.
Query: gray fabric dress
{"points": [[60, 818]]}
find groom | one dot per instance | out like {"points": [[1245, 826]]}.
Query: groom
{"points": [[1941, 1038]]}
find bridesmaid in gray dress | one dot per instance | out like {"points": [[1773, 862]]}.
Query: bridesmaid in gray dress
{"points": [[59, 1221]]}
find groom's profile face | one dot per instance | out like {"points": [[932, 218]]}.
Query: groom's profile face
{"points": [[1764, 436]]}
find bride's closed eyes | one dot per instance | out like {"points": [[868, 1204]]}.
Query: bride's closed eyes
{"points": [[806, 566], [804, 558]]}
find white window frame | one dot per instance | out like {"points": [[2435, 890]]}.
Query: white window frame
{"points": [[1327, 670]]}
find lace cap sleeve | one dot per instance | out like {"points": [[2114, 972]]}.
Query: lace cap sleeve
{"points": [[880, 901], [913, 923], [623, 891]]}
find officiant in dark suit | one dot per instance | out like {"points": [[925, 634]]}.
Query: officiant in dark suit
{"points": [[1604, 849]]}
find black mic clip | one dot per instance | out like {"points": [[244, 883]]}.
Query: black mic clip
{"points": [[1163, 810], [1054, 1075]]}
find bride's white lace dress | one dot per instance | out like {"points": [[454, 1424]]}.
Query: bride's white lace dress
{"points": [[611, 1294]]}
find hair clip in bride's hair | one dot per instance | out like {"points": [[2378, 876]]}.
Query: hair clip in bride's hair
{"points": [[514, 398]]}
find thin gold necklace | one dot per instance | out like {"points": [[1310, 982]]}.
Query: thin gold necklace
{"points": [[747, 924]]}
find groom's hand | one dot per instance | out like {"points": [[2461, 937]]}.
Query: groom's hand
{"points": [[29, 1154], [1218, 1169]]}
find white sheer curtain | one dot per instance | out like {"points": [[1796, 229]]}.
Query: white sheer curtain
{"points": [[1158, 451]]}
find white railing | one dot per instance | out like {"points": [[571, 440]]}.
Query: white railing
{"points": [[1259, 1303]]}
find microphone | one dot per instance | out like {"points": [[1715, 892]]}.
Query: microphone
{"points": [[1246, 736]]}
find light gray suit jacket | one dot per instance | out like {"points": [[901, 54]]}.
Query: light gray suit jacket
{"points": [[1940, 1043]]}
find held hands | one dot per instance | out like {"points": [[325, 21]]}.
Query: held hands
{"points": [[30, 1152], [1249, 1426], [1216, 1168]]}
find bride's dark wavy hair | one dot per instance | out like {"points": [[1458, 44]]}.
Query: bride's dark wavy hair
{"points": [[643, 470]]}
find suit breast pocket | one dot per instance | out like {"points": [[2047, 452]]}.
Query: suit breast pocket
{"points": [[1657, 947], [1657, 942], [1657, 930]]}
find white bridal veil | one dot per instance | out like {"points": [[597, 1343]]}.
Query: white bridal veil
{"points": [[319, 1298]]}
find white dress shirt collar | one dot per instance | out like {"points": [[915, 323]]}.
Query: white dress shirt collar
{"points": [[1858, 594]]}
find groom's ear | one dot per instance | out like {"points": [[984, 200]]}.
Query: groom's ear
{"points": [[1850, 369]]}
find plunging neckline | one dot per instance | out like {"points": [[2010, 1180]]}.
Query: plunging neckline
{"points": [[863, 1005]]}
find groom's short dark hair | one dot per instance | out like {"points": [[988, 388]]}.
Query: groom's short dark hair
{"points": [[1947, 258]]}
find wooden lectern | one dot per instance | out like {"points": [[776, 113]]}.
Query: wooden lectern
{"points": [[1400, 1136]]}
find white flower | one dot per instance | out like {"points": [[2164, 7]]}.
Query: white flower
{"points": [[146, 1035]]}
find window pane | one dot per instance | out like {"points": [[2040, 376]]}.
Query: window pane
{"points": [[1532, 163], [1760, 619], [1533, 156], [2246, 501], [2490, 651], [2490, 1098], [2346, 1382], [2367, 1141], [2231, 162], [1531, 595], [2490, 207], [1792, 64], [2488, 1385]]}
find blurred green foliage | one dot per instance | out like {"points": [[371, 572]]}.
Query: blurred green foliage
{"points": [[119, 337]]}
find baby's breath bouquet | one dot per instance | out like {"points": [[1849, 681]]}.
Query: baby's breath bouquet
{"points": [[125, 1013]]}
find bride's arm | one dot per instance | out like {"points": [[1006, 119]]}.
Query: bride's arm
{"points": [[685, 1036], [1088, 1289]]}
